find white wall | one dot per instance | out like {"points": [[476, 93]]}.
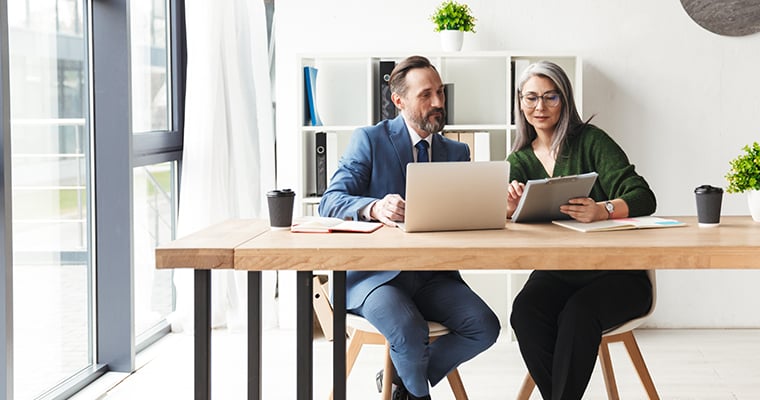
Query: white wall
{"points": [[680, 100]]}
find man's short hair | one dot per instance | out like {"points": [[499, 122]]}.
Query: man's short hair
{"points": [[398, 75]]}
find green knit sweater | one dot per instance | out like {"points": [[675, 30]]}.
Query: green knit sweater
{"points": [[591, 151]]}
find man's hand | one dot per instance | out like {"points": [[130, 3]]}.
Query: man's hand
{"points": [[388, 209]]}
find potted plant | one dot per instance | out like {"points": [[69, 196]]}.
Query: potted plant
{"points": [[452, 19], [744, 176]]}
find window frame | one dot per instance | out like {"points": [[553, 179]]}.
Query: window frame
{"points": [[114, 155]]}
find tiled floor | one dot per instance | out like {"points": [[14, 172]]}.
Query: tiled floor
{"points": [[685, 364]]}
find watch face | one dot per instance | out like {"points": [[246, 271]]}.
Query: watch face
{"points": [[610, 207]]}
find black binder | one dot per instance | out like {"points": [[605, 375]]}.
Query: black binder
{"points": [[384, 107], [321, 167]]}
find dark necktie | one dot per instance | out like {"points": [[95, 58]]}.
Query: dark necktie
{"points": [[422, 151]]}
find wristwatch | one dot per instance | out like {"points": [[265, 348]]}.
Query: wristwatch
{"points": [[609, 207]]}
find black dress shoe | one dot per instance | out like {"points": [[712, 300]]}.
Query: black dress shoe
{"points": [[399, 393], [398, 390]]}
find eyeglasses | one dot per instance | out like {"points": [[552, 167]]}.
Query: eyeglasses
{"points": [[530, 100]]}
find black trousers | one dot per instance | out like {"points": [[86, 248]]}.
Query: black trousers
{"points": [[559, 317]]}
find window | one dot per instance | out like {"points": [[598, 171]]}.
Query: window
{"points": [[63, 182], [51, 188], [154, 126], [154, 189], [151, 103]]}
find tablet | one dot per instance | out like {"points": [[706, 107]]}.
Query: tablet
{"points": [[541, 198]]}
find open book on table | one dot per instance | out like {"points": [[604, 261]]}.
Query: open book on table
{"points": [[327, 224], [620, 224]]}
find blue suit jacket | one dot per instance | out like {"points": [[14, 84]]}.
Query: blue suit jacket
{"points": [[374, 165]]}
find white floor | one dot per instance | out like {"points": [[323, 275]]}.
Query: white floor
{"points": [[685, 364]]}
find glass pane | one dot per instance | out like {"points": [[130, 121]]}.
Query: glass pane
{"points": [[51, 214], [154, 220], [149, 41]]}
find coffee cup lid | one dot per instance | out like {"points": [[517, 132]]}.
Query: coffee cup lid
{"points": [[281, 193], [708, 189]]}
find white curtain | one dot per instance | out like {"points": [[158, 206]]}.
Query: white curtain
{"points": [[228, 161]]}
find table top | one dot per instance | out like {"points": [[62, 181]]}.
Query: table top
{"points": [[210, 248], [250, 245]]}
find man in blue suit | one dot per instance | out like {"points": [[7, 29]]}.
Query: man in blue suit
{"points": [[370, 184]]}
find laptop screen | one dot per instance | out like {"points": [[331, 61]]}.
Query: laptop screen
{"points": [[451, 196]]}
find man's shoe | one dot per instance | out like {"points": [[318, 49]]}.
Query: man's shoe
{"points": [[398, 391]]}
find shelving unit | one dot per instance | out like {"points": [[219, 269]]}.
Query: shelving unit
{"points": [[483, 101], [346, 93]]}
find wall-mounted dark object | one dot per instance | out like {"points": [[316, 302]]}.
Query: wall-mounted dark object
{"points": [[725, 17]]}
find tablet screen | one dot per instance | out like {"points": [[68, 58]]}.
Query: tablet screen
{"points": [[542, 198]]}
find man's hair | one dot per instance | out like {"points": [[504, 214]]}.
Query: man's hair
{"points": [[398, 76]]}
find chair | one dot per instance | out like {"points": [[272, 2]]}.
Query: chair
{"points": [[624, 334], [360, 332]]}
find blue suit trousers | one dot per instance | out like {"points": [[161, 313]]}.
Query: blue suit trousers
{"points": [[400, 309]]}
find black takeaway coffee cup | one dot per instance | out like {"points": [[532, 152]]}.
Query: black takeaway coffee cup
{"points": [[280, 208], [709, 199]]}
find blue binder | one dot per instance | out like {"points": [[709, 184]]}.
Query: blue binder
{"points": [[310, 83]]}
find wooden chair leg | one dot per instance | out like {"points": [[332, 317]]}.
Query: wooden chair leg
{"points": [[638, 362], [605, 361], [527, 388], [390, 370], [457, 386], [607, 372]]}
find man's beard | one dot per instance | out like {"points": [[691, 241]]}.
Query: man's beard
{"points": [[425, 123]]}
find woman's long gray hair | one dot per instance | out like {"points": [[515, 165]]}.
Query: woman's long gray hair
{"points": [[569, 119]]}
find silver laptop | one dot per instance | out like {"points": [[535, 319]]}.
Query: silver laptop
{"points": [[456, 196]]}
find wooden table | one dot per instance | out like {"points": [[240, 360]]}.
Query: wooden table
{"points": [[735, 244]]}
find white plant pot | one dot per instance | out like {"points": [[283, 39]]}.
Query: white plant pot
{"points": [[753, 199], [451, 40]]}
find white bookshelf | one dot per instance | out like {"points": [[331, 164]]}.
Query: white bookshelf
{"points": [[345, 98], [483, 102]]}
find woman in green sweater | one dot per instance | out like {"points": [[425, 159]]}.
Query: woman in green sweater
{"points": [[559, 316]]}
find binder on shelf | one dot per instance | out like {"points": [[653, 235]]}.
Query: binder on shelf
{"points": [[384, 107], [448, 93], [310, 100], [478, 142], [320, 155], [468, 138], [453, 135]]}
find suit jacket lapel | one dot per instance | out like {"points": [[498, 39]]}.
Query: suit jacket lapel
{"points": [[399, 137]]}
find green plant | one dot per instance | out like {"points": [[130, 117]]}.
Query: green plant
{"points": [[451, 15], [745, 170]]}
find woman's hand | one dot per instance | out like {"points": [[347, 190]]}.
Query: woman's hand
{"points": [[514, 193], [585, 209]]}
